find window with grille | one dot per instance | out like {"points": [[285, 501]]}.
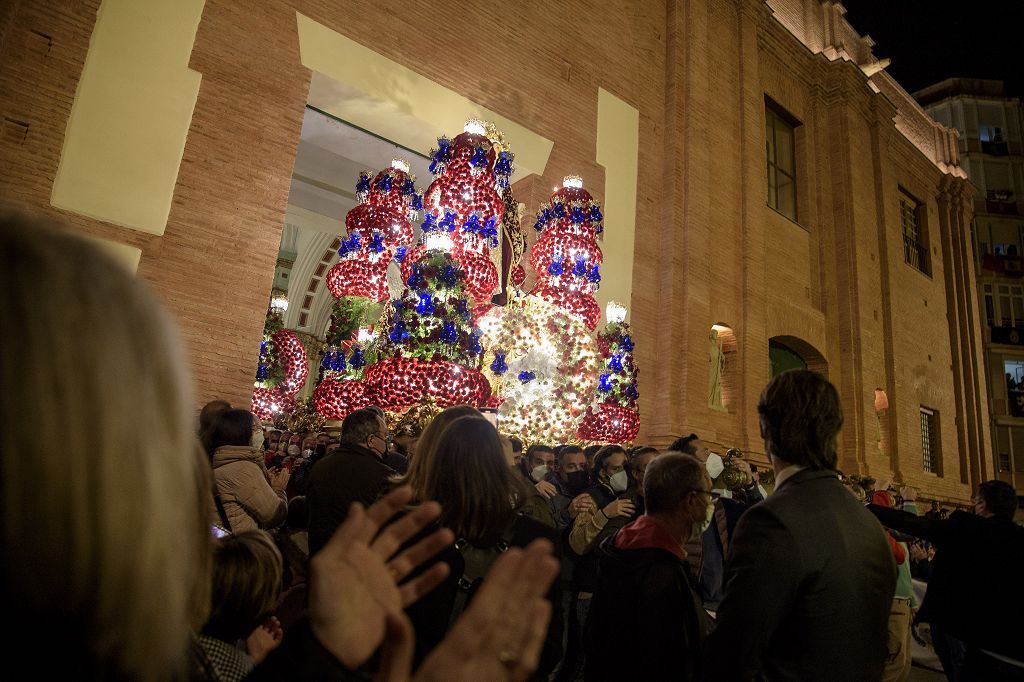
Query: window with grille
{"points": [[915, 240], [930, 451], [780, 144]]}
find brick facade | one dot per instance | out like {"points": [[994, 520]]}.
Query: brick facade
{"points": [[708, 250]]}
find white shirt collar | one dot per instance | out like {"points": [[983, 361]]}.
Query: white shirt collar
{"points": [[787, 473]]}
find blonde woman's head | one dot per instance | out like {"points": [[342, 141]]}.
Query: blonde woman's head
{"points": [[104, 486], [247, 578]]}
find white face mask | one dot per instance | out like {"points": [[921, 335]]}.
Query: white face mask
{"points": [[293, 450], [619, 482], [714, 465], [539, 472], [700, 526], [307, 453], [256, 440]]}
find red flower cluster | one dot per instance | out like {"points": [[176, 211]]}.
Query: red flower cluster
{"points": [[566, 256], [292, 354], [398, 383], [383, 215], [468, 188], [335, 399], [609, 424]]}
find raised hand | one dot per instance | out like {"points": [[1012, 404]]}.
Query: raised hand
{"points": [[355, 598], [580, 503], [620, 507], [547, 489], [264, 639]]}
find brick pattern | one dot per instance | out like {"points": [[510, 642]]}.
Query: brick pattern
{"points": [[707, 248]]}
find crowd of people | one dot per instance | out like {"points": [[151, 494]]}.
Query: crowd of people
{"points": [[154, 545]]}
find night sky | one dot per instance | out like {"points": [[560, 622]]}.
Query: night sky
{"points": [[931, 40]]}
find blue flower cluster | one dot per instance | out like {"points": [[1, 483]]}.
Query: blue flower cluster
{"points": [[580, 268], [440, 156], [377, 242], [487, 229], [334, 360], [363, 186], [499, 366], [577, 215], [349, 245], [503, 169], [527, 376]]}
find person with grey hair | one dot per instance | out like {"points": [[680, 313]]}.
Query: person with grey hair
{"points": [[355, 472], [645, 602]]}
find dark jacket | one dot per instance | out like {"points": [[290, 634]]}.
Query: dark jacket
{"points": [[301, 656], [706, 554], [431, 614], [350, 474], [975, 592], [559, 503], [645, 620], [809, 581]]}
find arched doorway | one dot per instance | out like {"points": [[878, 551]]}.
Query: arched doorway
{"points": [[790, 352]]}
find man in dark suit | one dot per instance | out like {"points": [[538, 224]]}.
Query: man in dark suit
{"points": [[355, 472], [809, 576], [975, 594]]}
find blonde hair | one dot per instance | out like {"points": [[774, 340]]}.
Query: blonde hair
{"points": [[247, 579], [104, 488]]}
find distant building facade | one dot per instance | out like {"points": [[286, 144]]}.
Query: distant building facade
{"points": [[991, 127]]}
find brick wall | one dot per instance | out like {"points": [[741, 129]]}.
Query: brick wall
{"points": [[708, 250]]}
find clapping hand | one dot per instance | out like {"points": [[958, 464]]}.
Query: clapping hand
{"points": [[354, 595], [357, 600]]}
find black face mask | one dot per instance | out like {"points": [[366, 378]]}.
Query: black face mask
{"points": [[320, 450], [576, 481]]}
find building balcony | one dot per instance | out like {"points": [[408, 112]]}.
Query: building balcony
{"points": [[1008, 336], [995, 148], [1006, 266]]}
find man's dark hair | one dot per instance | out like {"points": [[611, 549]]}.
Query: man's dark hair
{"points": [[377, 410], [209, 413], [517, 445], [1000, 499], [604, 453], [685, 444], [230, 427], [359, 425], [567, 450], [538, 448], [801, 417], [591, 451], [669, 479]]}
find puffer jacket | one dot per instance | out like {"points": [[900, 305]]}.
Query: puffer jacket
{"points": [[244, 487]]}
